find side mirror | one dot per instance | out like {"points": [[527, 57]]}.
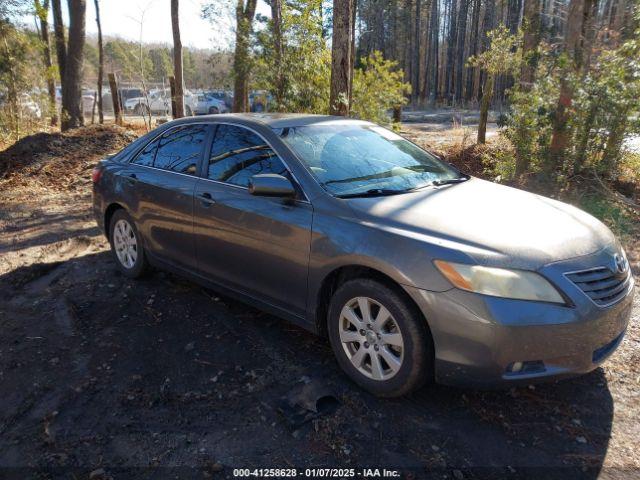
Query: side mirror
{"points": [[271, 185]]}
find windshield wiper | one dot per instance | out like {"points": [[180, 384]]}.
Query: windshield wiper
{"points": [[449, 181], [437, 183], [374, 192]]}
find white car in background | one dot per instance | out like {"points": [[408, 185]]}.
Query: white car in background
{"points": [[158, 102], [207, 104], [29, 107]]}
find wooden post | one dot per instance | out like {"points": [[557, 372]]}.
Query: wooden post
{"points": [[93, 108], [115, 98], [174, 106]]}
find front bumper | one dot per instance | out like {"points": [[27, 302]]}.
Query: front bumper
{"points": [[478, 339]]}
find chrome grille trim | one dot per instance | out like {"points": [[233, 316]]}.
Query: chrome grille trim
{"points": [[602, 286]]}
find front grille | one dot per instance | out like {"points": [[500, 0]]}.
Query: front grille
{"points": [[602, 285]]}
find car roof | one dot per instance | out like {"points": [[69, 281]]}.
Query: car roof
{"points": [[279, 120]]}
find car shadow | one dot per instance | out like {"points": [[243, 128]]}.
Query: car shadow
{"points": [[162, 368]]}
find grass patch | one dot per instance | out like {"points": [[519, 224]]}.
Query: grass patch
{"points": [[611, 213]]}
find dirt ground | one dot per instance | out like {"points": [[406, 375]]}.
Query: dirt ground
{"points": [[102, 376]]}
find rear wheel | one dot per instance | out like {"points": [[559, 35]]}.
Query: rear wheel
{"points": [[126, 245], [379, 338], [213, 110]]}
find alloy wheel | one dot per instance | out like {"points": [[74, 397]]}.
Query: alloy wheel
{"points": [[125, 243], [371, 338]]}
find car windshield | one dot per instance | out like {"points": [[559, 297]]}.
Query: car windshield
{"points": [[358, 158]]}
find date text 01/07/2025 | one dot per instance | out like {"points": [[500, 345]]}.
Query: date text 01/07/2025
{"points": [[316, 472]]}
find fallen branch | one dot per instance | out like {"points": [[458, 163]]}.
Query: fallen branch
{"points": [[618, 196]]}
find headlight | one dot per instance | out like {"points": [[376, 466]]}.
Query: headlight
{"points": [[499, 282]]}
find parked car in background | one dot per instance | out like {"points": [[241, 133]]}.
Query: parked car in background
{"points": [[87, 101], [27, 105], [412, 269], [158, 102], [125, 94], [206, 104], [222, 95]]}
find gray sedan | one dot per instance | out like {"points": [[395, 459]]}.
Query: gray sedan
{"points": [[413, 270]]}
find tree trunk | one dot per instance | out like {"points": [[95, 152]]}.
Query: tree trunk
{"points": [[460, 47], [61, 43], [573, 51], [473, 45], [589, 32], [276, 18], [177, 59], [72, 115], [431, 47], [352, 39], [614, 143], [340, 58], [451, 42], [487, 93], [488, 24], [115, 98], [531, 23], [241, 67], [415, 80], [42, 10], [100, 63]]}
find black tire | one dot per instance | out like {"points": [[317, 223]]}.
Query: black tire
{"points": [[140, 267], [417, 358], [213, 110]]}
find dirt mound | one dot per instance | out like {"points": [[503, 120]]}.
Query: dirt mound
{"points": [[56, 159]]}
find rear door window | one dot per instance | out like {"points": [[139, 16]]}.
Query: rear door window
{"points": [[179, 149], [237, 154], [147, 155]]}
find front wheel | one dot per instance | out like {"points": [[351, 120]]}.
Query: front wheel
{"points": [[126, 245], [379, 338]]}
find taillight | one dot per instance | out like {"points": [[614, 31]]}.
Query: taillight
{"points": [[96, 173]]}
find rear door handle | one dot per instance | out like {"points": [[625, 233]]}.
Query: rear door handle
{"points": [[206, 199], [131, 179]]}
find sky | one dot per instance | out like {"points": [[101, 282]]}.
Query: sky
{"points": [[122, 18]]}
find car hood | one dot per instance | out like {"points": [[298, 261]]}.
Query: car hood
{"points": [[494, 224]]}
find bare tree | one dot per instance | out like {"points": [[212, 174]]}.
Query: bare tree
{"points": [[276, 18], [415, 83], [61, 43], [341, 57], [72, 115], [42, 11], [100, 62], [177, 60], [241, 60]]}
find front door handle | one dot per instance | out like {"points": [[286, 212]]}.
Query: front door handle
{"points": [[206, 199]]}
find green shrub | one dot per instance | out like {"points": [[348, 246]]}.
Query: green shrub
{"points": [[378, 87]]}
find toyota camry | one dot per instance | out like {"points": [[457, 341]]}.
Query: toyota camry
{"points": [[413, 270]]}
